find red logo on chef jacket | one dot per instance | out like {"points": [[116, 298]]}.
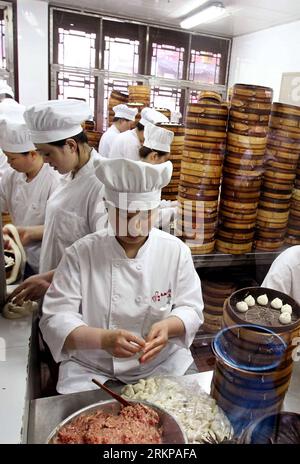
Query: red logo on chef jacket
{"points": [[161, 296]]}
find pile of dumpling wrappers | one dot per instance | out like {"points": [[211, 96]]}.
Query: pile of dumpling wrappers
{"points": [[197, 412]]}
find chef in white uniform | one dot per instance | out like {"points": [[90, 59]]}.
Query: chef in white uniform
{"points": [[155, 150], [284, 274], [122, 121], [128, 144], [76, 208], [134, 302], [25, 189]]}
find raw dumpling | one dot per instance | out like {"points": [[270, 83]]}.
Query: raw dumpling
{"points": [[262, 300], [276, 303], [287, 309], [242, 306], [285, 318], [250, 300]]}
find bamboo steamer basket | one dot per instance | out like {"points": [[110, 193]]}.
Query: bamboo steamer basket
{"points": [[262, 388], [264, 244], [247, 142], [214, 294], [233, 248], [211, 95], [176, 154], [139, 93], [236, 115], [253, 91], [93, 138], [201, 169], [203, 249], [281, 168]]}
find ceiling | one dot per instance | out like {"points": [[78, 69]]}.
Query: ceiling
{"points": [[243, 16]]}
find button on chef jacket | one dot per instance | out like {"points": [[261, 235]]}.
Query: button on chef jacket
{"points": [[107, 140], [26, 202], [284, 274], [74, 210], [126, 145], [111, 291]]}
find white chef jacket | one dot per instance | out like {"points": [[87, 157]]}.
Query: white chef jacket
{"points": [[26, 202], [107, 140], [97, 285], [74, 210], [126, 145], [284, 274]]}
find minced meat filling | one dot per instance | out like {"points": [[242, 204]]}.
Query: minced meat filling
{"points": [[134, 424]]}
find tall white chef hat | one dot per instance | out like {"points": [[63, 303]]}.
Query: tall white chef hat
{"points": [[158, 138], [5, 88], [123, 111], [150, 115], [15, 136], [55, 120], [133, 185]]}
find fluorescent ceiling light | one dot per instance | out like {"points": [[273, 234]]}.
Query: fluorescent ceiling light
{"points": [[209, 14]]}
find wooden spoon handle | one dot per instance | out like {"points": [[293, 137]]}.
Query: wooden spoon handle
{"points": [[112, 393]]}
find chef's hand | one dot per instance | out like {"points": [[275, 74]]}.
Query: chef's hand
{"points": [[29, 234], [121, 343], [156, 340], [25, 235], [33, 288]]}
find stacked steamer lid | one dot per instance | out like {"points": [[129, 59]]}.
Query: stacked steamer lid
{"points": [[165, 112], [139, 93], [254, 356], [201, 167], [214, 293], [293, 231], [115, 98], [208, 96], [282, 154], [243, 167], [171, 190]]}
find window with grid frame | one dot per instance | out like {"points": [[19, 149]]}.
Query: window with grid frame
{"points": [[208, 60], [76, 44]]}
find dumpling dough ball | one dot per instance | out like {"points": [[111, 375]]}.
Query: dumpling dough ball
{"points": [[262, 300], [285, 318], [250, 300], [242, 306], [287, 309], [276, 303]]}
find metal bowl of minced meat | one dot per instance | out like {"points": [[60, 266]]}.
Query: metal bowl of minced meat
{"points": [[109, 422]]}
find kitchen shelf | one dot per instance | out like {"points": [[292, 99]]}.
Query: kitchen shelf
{"points": [[218, 259]]}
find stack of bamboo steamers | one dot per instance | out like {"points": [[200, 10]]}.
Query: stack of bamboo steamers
{"points": [[282, 154], [139, 98], [293, 231], [201, 168], [171, 190], [116, 98], [243, 167]]}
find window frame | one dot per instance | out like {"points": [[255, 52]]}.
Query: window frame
{"points": [[142, 77]]}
